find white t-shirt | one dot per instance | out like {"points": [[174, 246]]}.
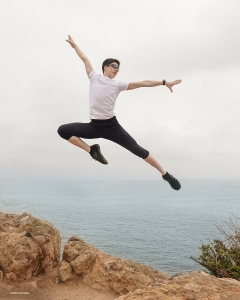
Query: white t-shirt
{"points": [[103, 94]]}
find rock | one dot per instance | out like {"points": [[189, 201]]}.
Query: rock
{"points": [[83, 262], [28, 246], [192, 287], [121, 276], [73, 248], [134, 281], [195, 286], [102, 271], [33, 284], [11, 277], [65, 271], [1, 275]]}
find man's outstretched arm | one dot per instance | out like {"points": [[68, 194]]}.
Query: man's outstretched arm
{"points": [[152, 83], [83, 57]]}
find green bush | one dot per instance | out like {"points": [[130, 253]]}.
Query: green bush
{"points": [[222, 259]]}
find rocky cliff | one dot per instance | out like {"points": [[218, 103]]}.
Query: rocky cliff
{"points": [[31, 247], [102, 271]]}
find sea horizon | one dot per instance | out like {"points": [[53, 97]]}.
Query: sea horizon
{"points": [[142, 220]]}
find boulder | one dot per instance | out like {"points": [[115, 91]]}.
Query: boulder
{"points": [[65, 271], [102, 271], [82, 263], [73, 248], [28, 246]]}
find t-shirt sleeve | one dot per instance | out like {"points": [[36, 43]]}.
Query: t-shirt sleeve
{"points": [[92, 74], [123, 85]]}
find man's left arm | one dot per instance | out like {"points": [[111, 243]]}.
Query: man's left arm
{"points": [[152, 83]]}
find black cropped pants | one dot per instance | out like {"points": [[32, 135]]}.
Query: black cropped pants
{"points": [[108, 129]]}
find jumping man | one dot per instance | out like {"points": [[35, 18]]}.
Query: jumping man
{"points": [[104, 90]]}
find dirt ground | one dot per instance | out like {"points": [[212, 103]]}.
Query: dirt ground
{"points": [[46, 287]]}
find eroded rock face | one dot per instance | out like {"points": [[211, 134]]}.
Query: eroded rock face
{"points": [[28, 246], [195, 286], [102, 271]]}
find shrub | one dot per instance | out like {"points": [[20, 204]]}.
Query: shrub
{"points": [[222, 258]]}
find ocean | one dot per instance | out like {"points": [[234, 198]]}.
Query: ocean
{"points": [[145, 221]]}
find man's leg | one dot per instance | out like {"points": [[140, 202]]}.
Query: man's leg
{"points": [[93, 150], [174, 183], [123, 138], [71, 133], [153, 162], [79, 143]]}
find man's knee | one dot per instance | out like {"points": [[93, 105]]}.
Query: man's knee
{"points": [[139, 151], [63, 132]]}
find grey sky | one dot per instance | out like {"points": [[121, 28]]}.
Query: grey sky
{"points": [[193, 132]]}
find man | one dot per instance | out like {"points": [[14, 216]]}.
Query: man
{"points": [[103, 93]]}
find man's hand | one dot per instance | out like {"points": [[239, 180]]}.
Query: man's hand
{"points": [[172, 83], [83, 57], [71, 41]]}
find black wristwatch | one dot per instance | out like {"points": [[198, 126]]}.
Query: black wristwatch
{"points": [[164, 82]]}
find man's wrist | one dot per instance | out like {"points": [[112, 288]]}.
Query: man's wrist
{"points": [[164, 81]]}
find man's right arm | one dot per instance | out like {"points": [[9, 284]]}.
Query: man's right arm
{"points": [[152, 83], [83, 57]]}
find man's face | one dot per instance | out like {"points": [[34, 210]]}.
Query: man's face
{"points": [[111, 70]]}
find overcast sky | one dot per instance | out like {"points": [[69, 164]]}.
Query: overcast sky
{"points": [[194, 132]]}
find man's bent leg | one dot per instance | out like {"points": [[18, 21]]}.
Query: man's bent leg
{"points": [[79, 143], [71, 133], [93, 150]]}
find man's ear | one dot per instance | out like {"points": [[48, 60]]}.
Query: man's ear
{"points": [[104, 68]]}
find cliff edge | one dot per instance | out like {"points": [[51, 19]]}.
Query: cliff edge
{"points": [[30, 268]]}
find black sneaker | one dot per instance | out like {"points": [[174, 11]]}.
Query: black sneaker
{"points": [[175, 184], [96, 154]]}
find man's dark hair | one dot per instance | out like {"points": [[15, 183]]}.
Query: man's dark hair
{"points": [[108, 61]]}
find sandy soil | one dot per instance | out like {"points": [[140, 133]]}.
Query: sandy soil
{"points": [[45, 287]]}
